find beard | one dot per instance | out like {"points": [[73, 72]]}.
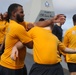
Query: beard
{"points": [[19, 18]]}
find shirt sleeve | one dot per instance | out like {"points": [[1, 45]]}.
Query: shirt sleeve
{"points": [[22, 34], [61, 46]]}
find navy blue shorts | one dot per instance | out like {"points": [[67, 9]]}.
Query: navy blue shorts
{"points": [[72, 67], [41, 69], [7, 71]]}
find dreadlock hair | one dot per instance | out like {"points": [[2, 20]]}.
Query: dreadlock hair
{"points": [[11, 8]]}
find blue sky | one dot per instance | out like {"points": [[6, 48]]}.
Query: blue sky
{"points": [[67, 7]]}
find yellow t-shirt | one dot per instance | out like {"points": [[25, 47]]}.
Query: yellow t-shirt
{"points": [[69, 41], [15, 33], [45, 46], [3, 28]]}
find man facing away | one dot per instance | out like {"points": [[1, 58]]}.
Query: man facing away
{"points": [[69, 40]]}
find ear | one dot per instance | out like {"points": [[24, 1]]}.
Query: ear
{"points": [[14, 13]]}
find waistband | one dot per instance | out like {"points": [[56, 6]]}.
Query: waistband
{"points": [[48, 64]]}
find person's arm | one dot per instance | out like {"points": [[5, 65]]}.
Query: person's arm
{"points": [[14, 53], [29, 44], [44, 23], [49, 22], [29, 26], [69, 50], [2, 46], [65, 49], [18, 46]]}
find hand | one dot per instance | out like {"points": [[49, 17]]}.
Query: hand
{"points": [[57, 18], [29, 26], [14, 53]]}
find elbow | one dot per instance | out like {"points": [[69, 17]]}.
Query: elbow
{"points": [[30, 47], [30, 44]]}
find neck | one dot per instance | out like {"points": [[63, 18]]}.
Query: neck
{"points": [[58, 24], [14, 20]]}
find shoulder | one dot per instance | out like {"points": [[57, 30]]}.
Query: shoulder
{"points": [[16, 26], [69, 30], [34, 28]]}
